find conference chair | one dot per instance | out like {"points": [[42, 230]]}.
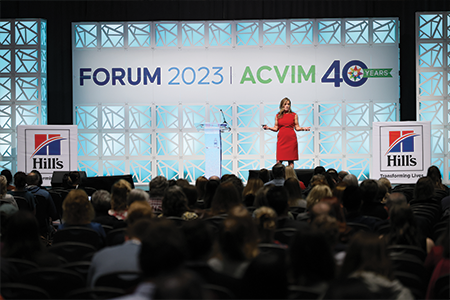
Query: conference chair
{"points": [[441, 287], [125, 280], [115, 237], [72, 251], [99, 292], [301, 292], [55, 281], [213, 291], [22, 291], [78, 234], [22, 203], [179, 222], [400, 250], [285, 235], [81, 267], [22, 265]]}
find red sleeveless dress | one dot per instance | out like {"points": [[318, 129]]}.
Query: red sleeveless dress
{"points": [[287, 147]]}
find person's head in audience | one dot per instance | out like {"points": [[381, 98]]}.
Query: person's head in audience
{"points": [[293, 188], [319, 170], [434, 174], [174, 203], [182, 284], [318, 179], [158, 186], [319, 208], [3, 186], [163, 249], [311, 259], [101, 201], [334, 175], [341, 175], [403, 229], [191, 194], [172, 182], [199, 240], [265, 219], [261, 196], [34, 178], [351, 199], [290, 173], [238, 239], [424, 189], [328, 226], [250, 190], [350, 179], [316, 194], [237, 182], [20, 181], [396, 198], [338, 190], [384, 181], [382, 193], [41, 181], [139, 210], [182, 182], [200, 185], [119, 194], [278, 171], [366, 253], [210, 191], [264, 175], [22, 237], [77, 209], [137, 229], [137, 195], [330, 182], [8, 175], [74, 179], [225, 198], [369, 189], [277, 198]]}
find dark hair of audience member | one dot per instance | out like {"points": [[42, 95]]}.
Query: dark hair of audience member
{"points": [[191, 194], [138, 228], [277, 198], [310, 259], [199, 240], [237, 182], [319, 170], [261, 196], [210, 191], [403, 229], [175, 202], [33, 178], [330, 182], [367, 252], [264, 175], [334, 175], [200, 185], [77, 209], [182, 182], [351, 198], [424, 189], [329, 227], [369, 190], [119, 194], [225, 198], [250, 190], [238, 238], [163, 249], [434, 174], [139, 210], [294, 191], [20, 180], [157, 186], [182, 284]]}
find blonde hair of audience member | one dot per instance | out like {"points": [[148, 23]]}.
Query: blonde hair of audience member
{"points": [[290, 173], [3, 186], [265, 220], [384, 181], [316, 194], [119, 194], [77, 209], [139, 210]]}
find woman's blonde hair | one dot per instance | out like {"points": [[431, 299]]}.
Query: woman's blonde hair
{"points": [[290, 173], [316, 194], [3, 186], [282, 103], [77, 209]]}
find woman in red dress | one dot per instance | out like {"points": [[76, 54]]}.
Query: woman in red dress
{"points": [[285, 123]]}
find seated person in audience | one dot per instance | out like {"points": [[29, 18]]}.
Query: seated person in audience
{"points": [[311, 261], [317, 193], [200, 244], [123, 257], [384, 181], [265, 219], [250, 190], [101, 201], [279, 175], [351, 200], [371, 206], [72, 180], [22, 240], [350, 179], [295, 193], [395, 198], [341, 176], [20, 181], [163, 252], [290, 173], [137, 195], [404, 231], [210, 190], [4, 196], [200, 185], [175, 204], [139, 210], [158, 186], [329, 227], [437, 262], [264, 175], [236, 181], [225, 198], [119, 194], [78, 211], [238, 244], [368, 264], [441, 190], [424, 192], [277, 198], [261, 196], [9, 178]]}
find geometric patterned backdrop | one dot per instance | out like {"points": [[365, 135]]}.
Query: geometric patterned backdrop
{"points": [[23, 82], [147, 140], [433, 82]]}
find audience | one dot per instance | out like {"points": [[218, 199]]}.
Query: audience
{"points": [[4, 196], [250, 190], [20, 182], [9, 178], [101, 201], [158, 186], [279, 175], [175, 204], [119, 195]]}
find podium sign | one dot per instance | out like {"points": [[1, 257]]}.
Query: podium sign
{"points": [[401, 151], [213, 147], [47, 148]]}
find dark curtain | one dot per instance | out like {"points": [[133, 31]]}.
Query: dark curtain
{"points": [[60, 14]]}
